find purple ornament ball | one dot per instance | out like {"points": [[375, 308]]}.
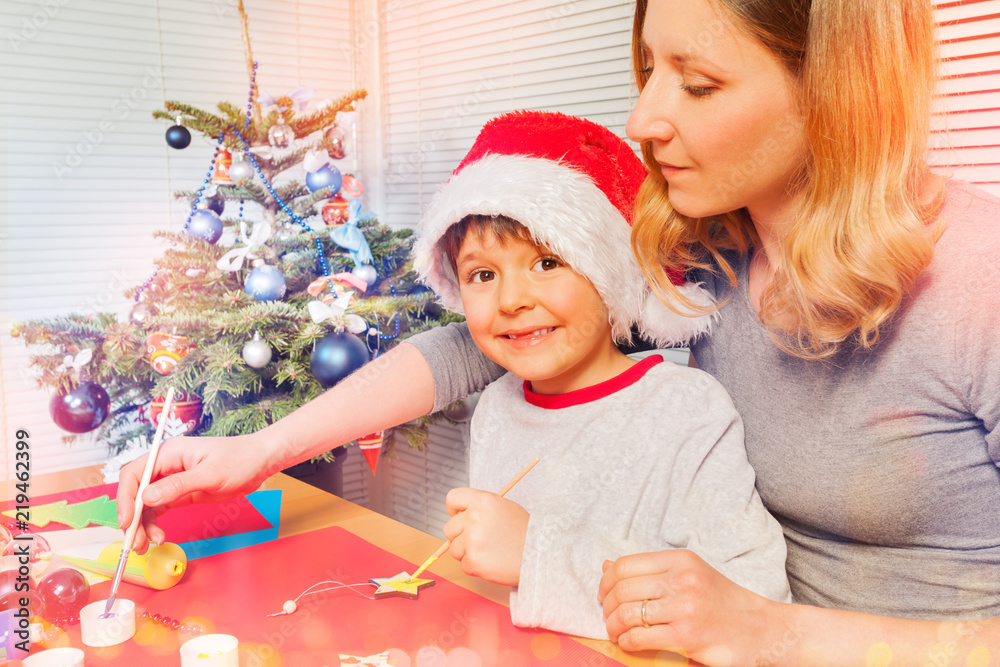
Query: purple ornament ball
{"points": [[82, 409], [205, 224]]}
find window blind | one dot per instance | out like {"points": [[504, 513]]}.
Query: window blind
{"points": [[448, 66], [89, 175], [966, 140]]}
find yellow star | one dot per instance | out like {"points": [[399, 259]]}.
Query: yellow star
{"points": [[401, 585]]}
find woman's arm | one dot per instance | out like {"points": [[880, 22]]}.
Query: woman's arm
{"points": [[392, 389], [427, 372], [693, 608]]}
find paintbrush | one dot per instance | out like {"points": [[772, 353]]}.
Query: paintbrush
{"points": [[444, 547], [147, 474]]}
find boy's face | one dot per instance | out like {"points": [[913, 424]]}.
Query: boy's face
{"points": [[532, 314]]}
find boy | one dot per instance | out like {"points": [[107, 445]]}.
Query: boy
{"points": [[526, 239]]}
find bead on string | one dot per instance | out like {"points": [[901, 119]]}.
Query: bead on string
{"points": [[170, 623], [290, 606]]}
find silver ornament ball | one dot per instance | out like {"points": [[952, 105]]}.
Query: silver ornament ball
{"points": [[366, 272], [257, 353], [280, 135], [240, 170]]}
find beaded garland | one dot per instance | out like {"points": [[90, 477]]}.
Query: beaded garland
{"points": [[171, 623], [267, 184]]}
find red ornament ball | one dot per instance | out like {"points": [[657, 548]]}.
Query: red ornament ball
{"points": [[64, 592]]}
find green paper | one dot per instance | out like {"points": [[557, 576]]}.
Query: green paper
{"points": [[100, 510]]}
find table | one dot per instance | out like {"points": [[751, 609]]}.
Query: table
{"points": [[305, 508]]}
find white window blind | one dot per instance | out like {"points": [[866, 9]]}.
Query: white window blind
{"points": [[450, 65], [89, 176], [966, 140]]}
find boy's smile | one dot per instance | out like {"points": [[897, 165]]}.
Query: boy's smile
{"points": [[528, 311]]}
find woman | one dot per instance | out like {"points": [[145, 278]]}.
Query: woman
{"points": [[855, 335], [787, 165]]}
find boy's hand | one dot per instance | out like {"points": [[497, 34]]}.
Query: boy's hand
{"points": [[487, 534]]}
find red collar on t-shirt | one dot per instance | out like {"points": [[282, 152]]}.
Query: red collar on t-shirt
{"points": [[593, 392]]}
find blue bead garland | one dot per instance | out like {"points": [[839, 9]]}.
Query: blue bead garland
{"points": [[270, 189], [187, 223]]}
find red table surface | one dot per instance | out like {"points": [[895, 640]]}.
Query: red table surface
{"points": [[233, 593]]}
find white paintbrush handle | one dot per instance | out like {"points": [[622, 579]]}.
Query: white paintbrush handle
{"points": [[147, 475]]}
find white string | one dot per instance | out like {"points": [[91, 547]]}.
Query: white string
{"points": [[339, 585]]}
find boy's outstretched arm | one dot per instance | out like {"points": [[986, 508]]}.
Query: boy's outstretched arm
{"points": [[394, 388]]}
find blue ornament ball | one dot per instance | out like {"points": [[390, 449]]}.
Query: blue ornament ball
{"points": [[81, 409], [205, 224], [178, 136], [265, 283], [217, 204], [326, 178], [336, 356]]}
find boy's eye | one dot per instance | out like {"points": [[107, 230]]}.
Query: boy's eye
{"points": [[480, 276], [546, 264]]}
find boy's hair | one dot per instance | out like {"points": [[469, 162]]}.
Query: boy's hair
{"points": [[502, 227]]}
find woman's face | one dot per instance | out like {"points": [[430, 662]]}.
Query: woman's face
{"points": [[719, 110]]}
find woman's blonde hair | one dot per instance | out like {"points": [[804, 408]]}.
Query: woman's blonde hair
{"points": [[865, 72]]}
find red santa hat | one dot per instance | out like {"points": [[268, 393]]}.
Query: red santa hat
{"points": [[573, 184]]}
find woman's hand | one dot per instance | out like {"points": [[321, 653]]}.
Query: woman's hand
{"points": [[487, 534], [190, 470], [689, 608]]}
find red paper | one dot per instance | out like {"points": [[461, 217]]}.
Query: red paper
{"points": [[234, 592], [184, 524]]}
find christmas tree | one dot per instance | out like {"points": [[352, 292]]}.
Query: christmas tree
{"points": [[274, 290]]}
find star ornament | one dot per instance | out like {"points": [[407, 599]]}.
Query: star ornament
{"points": [[400, 585]]}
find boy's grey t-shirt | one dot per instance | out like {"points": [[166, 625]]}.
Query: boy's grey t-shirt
{"points": [[882, 467]]}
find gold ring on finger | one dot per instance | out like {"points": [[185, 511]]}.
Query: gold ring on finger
{"points": [[642, 614]]}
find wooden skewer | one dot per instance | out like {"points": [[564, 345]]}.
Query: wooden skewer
{"points": [[444, 547], [147, 474]]}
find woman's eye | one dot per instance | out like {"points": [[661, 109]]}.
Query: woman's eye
{"points": [[481, 276], [697, 91], [647, 61]]}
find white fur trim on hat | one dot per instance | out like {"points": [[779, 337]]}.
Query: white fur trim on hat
{"points": [[568, 213]]}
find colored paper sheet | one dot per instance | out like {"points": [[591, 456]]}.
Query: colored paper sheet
{"points": [[266, 504], [233, 593], [94, 505]]}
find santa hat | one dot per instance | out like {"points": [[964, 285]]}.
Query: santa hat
{"points": [[573, 184]]}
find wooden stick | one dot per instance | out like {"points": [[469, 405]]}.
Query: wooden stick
{"points": [[444, 547], [251, 72], [147, 474]]}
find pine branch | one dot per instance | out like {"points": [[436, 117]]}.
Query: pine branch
{"points": [[194, 118], [327, 115]]}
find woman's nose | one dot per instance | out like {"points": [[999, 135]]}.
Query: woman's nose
{"points": [[650, 119]]}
